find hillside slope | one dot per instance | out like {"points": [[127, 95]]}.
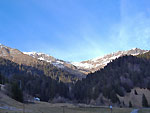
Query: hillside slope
{"points": [[117, 78], [48, 69], [44, 81], [16, 56], [8, 105], [66, 66]]}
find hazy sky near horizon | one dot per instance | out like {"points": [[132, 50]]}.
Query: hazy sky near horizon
{"points": [[75, 30]]}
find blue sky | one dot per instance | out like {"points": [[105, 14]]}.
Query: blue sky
{"points": [[75, 30]]}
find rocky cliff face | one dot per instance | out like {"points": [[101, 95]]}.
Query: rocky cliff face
{"points": [[16, 56]]}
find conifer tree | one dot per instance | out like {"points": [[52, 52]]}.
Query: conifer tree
{"points": [[144, 101], [16, 92], [130, 104]]}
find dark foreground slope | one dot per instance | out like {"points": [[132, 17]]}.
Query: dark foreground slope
{"points": [[115, 80], [36, 81]]}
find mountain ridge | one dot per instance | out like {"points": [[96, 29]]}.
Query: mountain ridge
{"points": [[123, 72], [64, 65], [95, 64], [88, 66], [81, 69], [20, 58]]}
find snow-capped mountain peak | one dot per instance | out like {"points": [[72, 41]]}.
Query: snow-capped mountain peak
{"points": [[76, 68], [3, 46], [91, 65], [95, 64]]}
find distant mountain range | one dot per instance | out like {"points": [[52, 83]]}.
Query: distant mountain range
{"points": [[77, 68], [85, 66]]}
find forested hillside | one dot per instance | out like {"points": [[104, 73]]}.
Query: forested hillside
{"points": [[35, 66], [145, 55], [43, 81], [117, 78], [9, 68]]}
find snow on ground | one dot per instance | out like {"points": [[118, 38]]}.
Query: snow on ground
{"points": [[84, 65], [41, 58]]}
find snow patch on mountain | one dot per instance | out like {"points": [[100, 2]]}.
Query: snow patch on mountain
{"points": [[91, 65], [1, 46], [99, 62], [34, 53], [47, 58], [80, 64], [41, 58]]}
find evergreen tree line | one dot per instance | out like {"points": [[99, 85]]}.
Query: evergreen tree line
{"points": [[13, 90], [39, 81], [44, 81], [117, 78], [9, 68], [37, 86]]}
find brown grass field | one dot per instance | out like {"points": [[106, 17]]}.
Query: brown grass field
{"points": [[11, 106]]}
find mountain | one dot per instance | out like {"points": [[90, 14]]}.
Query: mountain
{"points": [[80, 69], [16, 56], [67, 66], [122, 81], [44, 81], [100, 62], [48, 69], [116, 77], [84, 67]]}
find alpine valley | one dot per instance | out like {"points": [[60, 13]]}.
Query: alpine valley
{"points": [[121, 78]]}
